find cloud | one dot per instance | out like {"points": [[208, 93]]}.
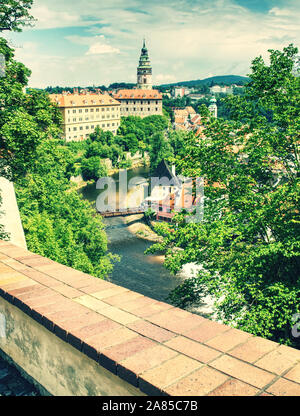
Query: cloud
{"points": [[97, 44], [51, 18], [281, 12], [164, 78], [99, 48], [100, 42]]}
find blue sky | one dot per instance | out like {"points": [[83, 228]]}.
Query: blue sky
{"points": [[85, 42]]}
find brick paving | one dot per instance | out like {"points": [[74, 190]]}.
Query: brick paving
{"points": [[152, 345]]}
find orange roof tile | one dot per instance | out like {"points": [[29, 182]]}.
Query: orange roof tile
{"points": [[138, 94], [81, 100], [196, 118], [190, 110]]}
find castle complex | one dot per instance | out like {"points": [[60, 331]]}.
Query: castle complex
{"points": [[141, 101], [83, 112]]}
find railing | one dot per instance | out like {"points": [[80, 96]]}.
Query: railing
{"points": [[122, 212]]}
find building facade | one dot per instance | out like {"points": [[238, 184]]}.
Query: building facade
{"points": [[83, 112], [137, 102], [217, 89], [213, 107]]}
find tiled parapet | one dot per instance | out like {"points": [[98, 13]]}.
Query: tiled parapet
{"points": [[157, 348]]}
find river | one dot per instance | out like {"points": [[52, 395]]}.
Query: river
{"points": [[136, 271]]}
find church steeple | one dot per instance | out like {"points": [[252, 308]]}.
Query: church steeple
{"points": [[213, 106], [144, 70]]}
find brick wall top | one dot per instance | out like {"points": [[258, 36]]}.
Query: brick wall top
{"points": [[158, 348]]}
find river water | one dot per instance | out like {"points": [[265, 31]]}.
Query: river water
{"points": [[136, 271]]}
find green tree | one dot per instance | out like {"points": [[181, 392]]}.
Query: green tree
{"points": [[14, 14], [248, 241], [25, 119], [160, 149], [57, 222], [93, 168]]}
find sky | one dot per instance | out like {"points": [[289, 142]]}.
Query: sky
{"points": [[98, 42]]}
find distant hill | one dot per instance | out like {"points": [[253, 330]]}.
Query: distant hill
{"points": [[225, 79]]}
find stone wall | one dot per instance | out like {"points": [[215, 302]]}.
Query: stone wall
{"points": [[11, 216], [78, 335]]}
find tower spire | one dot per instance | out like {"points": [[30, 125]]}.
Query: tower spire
{"points": [[144, 70]]}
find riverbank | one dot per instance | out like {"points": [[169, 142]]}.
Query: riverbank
{"points": [[141, 228], [78, 182]]}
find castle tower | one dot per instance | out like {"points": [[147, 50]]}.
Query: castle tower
{"points": [[213, 107], [144, 70]]}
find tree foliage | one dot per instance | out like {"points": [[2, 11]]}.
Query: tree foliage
{"points": [[14, 14], [57, 222], [248, 242], [25, 119]]}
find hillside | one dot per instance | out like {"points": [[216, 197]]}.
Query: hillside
{"points": [[225, 79]]}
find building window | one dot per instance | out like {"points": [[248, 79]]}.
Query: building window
{"points": [[97, 110], [87, 127], [74, 111], [80, 110], [92, 110], [74, 128], [81, 128], [102, 109], [149, 108], [92, 127], [74, 119], [86, 110]]}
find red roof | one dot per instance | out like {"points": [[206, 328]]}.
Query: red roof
{"points": [[138, 94], [80, 100]]}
